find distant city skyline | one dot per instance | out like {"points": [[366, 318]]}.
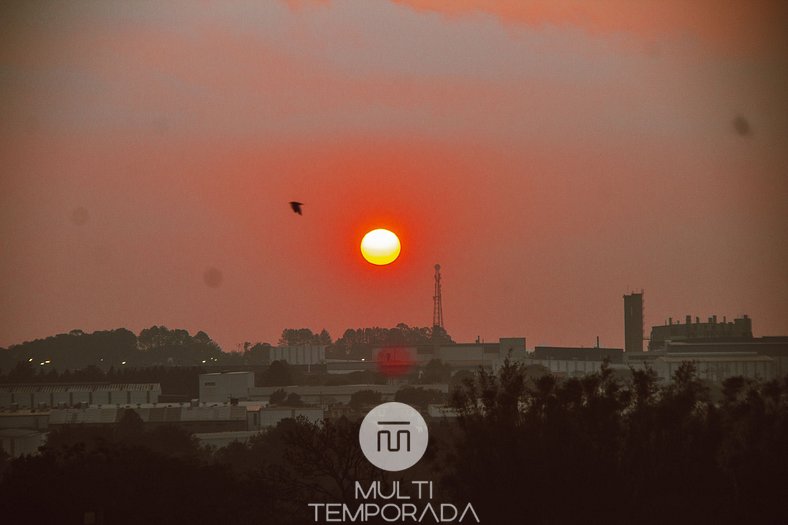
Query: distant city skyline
{"points": [[549, 159]]}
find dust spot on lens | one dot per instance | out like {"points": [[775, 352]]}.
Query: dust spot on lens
{"points": [[212, 277], [80, 216], [742, 126]]}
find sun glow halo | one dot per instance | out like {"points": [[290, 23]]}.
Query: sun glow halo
{"points": [[380, 247]]}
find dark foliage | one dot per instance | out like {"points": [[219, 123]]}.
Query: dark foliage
{"points": [[565, 451], [364, 399], [155, 346], [304, 336], [436, 371], [281, 397], [278, 374]]}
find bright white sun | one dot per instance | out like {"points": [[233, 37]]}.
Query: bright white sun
{"points": [[380, 247]]}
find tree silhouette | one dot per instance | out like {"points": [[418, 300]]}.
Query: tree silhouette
{"points": [[304, 336], [278, 397], [436, 371], [619, 452], [364, 398], [278, 374]]}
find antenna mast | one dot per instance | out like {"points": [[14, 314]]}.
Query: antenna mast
{"points": [[437, 309]]}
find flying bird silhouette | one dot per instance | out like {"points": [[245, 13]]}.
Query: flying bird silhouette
{"points": [[296, 206]]}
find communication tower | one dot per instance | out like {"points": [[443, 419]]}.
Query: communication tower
{"points": [[437, 309]]}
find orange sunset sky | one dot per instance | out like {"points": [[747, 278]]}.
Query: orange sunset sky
{"points": [[549, 155]]}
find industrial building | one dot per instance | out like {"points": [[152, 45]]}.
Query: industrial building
{"points": [[346, 366], [775, 348], [16, 441], [458, 355], [325, 396], [633, 322], [300, 355], [260, 417], [24, 418], [570, 367], [222, 439], [564, 353], [221, 387], [738, 330], [575, 361], [193, 417], [53, 394], [715, 367]]}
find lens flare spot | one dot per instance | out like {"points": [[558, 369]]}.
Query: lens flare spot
{"points": [[394, 361]]}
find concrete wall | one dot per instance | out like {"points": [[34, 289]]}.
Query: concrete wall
{"points": [[38, 395]]}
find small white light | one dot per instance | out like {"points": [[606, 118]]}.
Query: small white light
{"points": [[123, 362]]}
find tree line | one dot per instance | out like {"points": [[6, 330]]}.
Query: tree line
{"points": [[155, 346], [178, 383], [161, 346]]}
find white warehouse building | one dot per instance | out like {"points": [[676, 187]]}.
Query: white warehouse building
{"points": [[220, 387], [298, 355], [53, 395]]}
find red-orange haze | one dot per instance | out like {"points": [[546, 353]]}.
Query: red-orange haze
{"points": [[549, 155]]}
